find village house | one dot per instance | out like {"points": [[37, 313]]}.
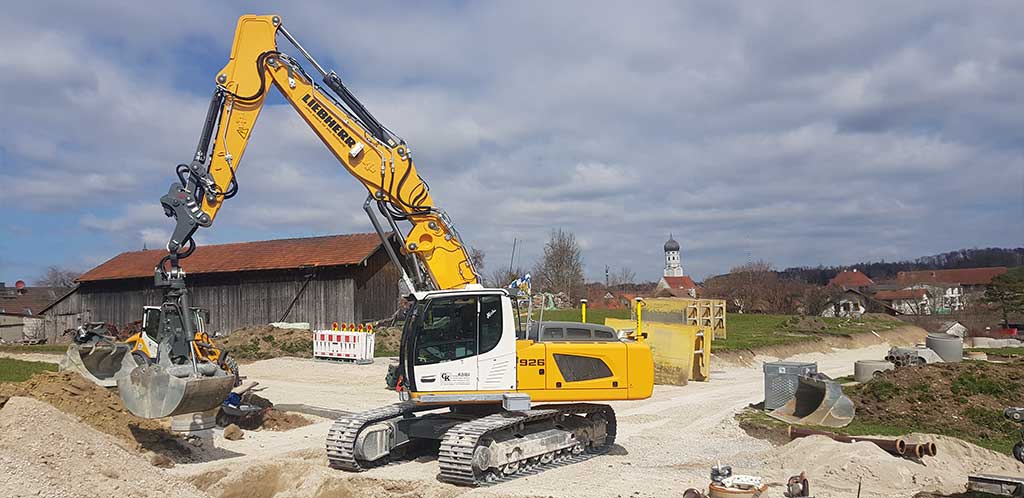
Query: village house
{"points": [[20, 308], [953, 290], [851, 279], [850, 304], [907, 301]]}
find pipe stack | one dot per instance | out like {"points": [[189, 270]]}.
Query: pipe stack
{"points": [[921, 450], [897, 447]]}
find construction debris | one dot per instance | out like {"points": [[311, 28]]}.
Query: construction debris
{"points": [[233, 433]]}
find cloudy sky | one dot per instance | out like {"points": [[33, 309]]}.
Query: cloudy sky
{"points": [[801, 133]]}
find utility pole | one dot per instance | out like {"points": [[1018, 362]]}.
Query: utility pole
{"points": [[512, 260]]}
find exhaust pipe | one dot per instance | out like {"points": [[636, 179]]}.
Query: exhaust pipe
{"points": [[896, 447]]}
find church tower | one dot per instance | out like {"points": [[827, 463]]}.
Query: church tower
{"points": [[673, 263]]}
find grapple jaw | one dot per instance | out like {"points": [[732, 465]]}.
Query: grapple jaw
{"points": [[162, 389], [99, 361]]}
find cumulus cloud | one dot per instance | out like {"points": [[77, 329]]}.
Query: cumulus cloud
{"points": [[798, 133]]}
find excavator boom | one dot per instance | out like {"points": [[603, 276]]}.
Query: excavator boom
{"points": [[379, 159]]}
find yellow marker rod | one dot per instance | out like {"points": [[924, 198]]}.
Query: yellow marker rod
{"points": [[640, 336], [583, 307]]}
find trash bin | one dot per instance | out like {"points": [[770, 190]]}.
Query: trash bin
{"points": [[781, 381]]}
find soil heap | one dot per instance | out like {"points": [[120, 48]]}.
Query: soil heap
{"points": [[100, 409], [963, 400], [266, 341]]}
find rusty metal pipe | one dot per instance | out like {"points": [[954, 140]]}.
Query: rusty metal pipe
{"points": [[896, 447]]}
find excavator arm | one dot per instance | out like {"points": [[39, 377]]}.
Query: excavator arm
{"points": [[371, 153]]}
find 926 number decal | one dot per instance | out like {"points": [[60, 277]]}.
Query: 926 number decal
{"points": [[534, 362]]}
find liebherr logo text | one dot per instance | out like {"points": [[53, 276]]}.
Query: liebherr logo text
{"points": [[328, 120]]}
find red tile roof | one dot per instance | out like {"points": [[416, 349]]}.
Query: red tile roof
{"points": [[847, 278], [964, 276], [682, 282], [333, 250], [28, 301], [900, 294]]}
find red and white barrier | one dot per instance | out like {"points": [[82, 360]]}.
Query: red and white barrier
{"points": [[351, 345]]}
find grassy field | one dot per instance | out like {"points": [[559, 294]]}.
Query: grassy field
{"points": [[1000, 351], [44, 348], [755, 330], [12, 370]]}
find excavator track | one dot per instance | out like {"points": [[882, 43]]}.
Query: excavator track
{"points": [[460, 443], [341, 438]]}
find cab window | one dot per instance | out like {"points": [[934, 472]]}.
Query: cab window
{"points": [[151, 322], [490, 322], [448, 330], [553, 333], [577, 333]]}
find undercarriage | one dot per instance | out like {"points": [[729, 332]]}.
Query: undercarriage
{"points": [[477, 444]]}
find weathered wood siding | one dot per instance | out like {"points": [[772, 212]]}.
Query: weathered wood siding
{"points": [[376, 286], [242, 299]]}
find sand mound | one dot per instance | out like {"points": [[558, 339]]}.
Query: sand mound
{"points": [[99, 408], [45, 452], [309, 477], [837, 467]]}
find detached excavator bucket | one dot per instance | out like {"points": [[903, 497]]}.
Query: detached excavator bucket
{"points": [[161, 390], [100, 361], [818, 401]]}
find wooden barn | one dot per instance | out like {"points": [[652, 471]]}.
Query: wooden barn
{"points": [[320, 280]]}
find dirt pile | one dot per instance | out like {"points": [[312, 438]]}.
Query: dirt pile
{"points": [[271, 419], [305, 476], [100, 409], [387, 340], [837, 468], [266, 341], [45, 452], [956, 399]]}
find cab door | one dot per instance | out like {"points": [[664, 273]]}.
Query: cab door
{"points": [[445, 349]]}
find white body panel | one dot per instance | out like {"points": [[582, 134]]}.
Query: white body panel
{"points": [[497, 368]]}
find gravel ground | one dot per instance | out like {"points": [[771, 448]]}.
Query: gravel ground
{"points": [[666, 444], [60, 457]]}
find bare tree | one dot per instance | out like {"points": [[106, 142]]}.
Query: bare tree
{"points": [[476, 258], [501, 277], [621, 276], [57, 276], [756, 287], [561, 268]]}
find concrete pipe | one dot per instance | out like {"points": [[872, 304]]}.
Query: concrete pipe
{"points": [[921, 450], [949, 348], [865, 370], [896, 447]]}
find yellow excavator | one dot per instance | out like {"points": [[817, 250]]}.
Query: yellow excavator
{"points": [[469, 372]]}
